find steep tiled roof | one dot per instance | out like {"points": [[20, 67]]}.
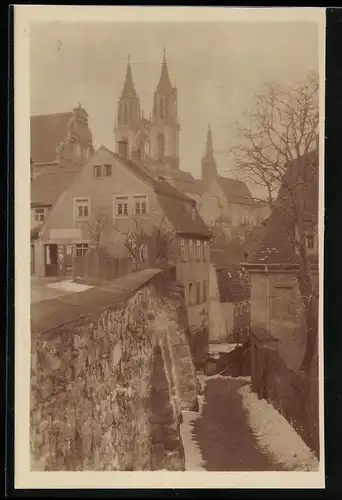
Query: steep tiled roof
{"points": [[276, 247], [186, 183], [47, 132], [181, 217], [48, 186], [232, 285], [235, 191], [176, 205], [160, 186]]}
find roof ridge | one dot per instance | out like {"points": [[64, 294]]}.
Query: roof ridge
{"points": [[154, 183], [51, 114], [61, 171]]}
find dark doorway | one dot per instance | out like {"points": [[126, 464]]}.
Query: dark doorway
{"points": [[51, 260]]}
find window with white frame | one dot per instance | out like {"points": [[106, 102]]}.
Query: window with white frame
{"points": [[186, 250], [39, 214], [82, 209], [121, 206], [198, 250], [191, 250], [108, 170], [182, 250], [140, 205], [206, 250], [97, 171], [81, 249]]}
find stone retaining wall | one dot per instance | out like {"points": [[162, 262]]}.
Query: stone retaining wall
{"points": [[111, 371]]}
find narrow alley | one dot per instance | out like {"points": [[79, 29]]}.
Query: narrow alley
{"points": [[226, 435]]}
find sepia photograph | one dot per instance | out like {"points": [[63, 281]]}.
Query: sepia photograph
{"points": [[169, 311]]}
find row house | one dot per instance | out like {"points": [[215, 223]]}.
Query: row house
{"points": [[60, 144], [277, 306]]}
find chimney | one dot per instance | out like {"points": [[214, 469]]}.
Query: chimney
{"points": [[123, 149]]}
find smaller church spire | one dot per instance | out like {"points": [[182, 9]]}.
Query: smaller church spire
{"points": [[209, 150], [209, 170], [128, 89]]}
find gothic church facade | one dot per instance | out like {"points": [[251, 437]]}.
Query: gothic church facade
{"points": [[154, 141]]}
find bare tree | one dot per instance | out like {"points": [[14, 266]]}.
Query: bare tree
{"points": [[163, 238], [275, 150], [135, 241], [96, 228], [143, 236], [282, 127]]}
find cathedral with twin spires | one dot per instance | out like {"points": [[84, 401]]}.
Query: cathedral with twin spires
{"points": [[152, 141]]}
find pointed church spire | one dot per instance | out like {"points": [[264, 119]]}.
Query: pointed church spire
{"points": [[209, 150], [128, 89], [209, 170], [164, 81]]}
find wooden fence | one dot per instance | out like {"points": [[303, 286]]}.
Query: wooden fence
{"points": [[103, 267]]}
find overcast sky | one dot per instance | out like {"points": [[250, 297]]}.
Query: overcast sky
{"points": [[217, 68]]}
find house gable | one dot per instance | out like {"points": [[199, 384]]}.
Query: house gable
{"points": [[99, 192]]}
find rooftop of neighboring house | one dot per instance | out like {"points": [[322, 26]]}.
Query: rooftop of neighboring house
{"points": [[47, 132], [275, 245], [236, 191], [186, 183], [48, 186], [186, 221], [233, 284]]}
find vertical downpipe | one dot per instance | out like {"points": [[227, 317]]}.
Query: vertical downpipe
{"points": [[268, 301]]}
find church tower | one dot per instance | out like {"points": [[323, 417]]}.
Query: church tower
{"points": [[164, 128], [128, 113], [209, 170]]}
